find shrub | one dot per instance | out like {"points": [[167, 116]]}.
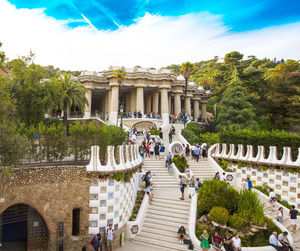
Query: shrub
{"points": [[216, 193], [241, 164], [154, 131], [223, 164], [118, 176], [237, 222], [180, 162], [263, 189], [219, 215], [250, 208]]}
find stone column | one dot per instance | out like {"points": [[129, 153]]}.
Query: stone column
{"points": [[177, 103], [155, 102], [164, 106], [149, 103], [114, 103], [109, 101], [187, 105], [128, 99], [196, 109], [140, 99], [132, 101], [88, 106], [170, 103], [203, 110]]}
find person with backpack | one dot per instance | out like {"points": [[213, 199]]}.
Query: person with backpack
{"points": [[110, 237], [97, 242]]}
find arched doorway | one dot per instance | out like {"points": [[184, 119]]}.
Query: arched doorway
{"points": [[22, 229]]}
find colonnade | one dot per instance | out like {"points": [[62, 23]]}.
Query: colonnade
{"points": [[163, 101]]}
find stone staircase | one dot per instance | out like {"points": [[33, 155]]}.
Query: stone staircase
{"points": [[203, 169], [166, 213], [160, 175], [286, 221]]}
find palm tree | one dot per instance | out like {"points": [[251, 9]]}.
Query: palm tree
{"points": [[72, 93], [120, 75], [186, 69]]}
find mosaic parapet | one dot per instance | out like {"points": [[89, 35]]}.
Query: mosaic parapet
{"points": [[127, 155], [260, 157]]}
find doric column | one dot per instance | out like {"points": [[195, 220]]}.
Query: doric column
{"points": [[170, 103], [164, 104], [188, 105], [140, 99], [133, 101], [149, 103], [88, 106], [109, 101], [114, 102], [203, 110], [155, 102], [128, 99], [177, 103], [196, 109]]}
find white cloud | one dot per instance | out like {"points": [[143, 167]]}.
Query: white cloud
{"points": [[152, 41]]}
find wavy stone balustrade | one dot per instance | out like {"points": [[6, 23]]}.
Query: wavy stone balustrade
{"points": [[272, 159], [128, 156]]}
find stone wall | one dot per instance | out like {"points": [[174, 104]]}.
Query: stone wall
{"points": [[54, 192]]}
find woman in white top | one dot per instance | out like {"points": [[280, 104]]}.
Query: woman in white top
{"points": [[245, 185], [279, 215], [237, 243], [152, 145], [272, 199]]}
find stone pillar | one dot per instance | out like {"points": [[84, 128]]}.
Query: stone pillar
{"points": [[155, 102], [196, 109], [114, 103], [128, 99], [149, 103], [140, 99], [88, 106], [164, 106], [132, 101], [203, 110], [170, 103], [187, 105], [109, 101], [177, 103]]}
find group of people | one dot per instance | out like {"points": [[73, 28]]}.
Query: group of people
{"points": [[280, 242], [152, 149], [147, 178], [180, 118], [229, 242], [98, 240], [139, 114]]}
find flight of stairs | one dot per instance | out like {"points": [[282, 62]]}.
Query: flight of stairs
{"points": [[203, 169], [166, 213], [286, 222]]}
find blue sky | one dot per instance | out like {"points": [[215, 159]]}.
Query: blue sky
{"points": [[94, 34], [239, 15]]}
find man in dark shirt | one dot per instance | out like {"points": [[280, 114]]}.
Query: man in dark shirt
{"points": [[181, 234], [217, 241], [97, 243], [293, 216]]}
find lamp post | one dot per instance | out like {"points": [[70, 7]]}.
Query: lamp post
{"points": [[121, 111]]}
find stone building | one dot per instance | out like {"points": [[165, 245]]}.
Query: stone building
{"points": [[144, 90]]}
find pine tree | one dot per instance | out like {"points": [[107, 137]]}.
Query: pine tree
{"points": [[237, 111]]}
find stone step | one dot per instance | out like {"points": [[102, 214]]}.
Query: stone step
{"points": [[160, 244], [164, 223], [171, 210], [157, 236], [160, 231], [161, 204], [156, 227], [173, 201], [183, 216], [164, 186], [166, 218]]}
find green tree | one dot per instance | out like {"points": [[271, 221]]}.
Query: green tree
{"points": [[120, 75], [72, 94], [2, 56], [237, 111], [186, 69]]}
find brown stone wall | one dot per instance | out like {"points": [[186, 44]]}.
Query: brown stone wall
{"points": [[54, 192]]}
